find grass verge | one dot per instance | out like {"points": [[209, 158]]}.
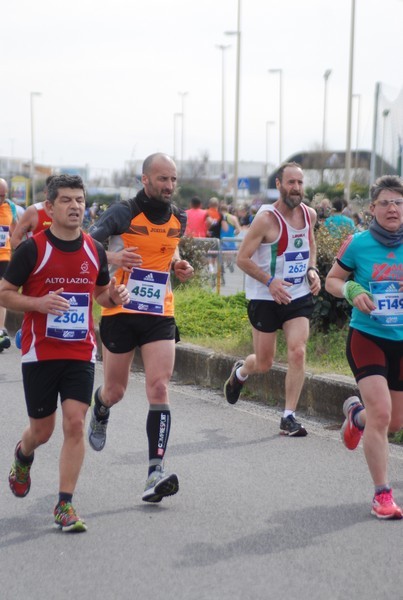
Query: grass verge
{"points": [[221, 323]]}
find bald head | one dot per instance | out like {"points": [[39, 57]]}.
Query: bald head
{"points": [[159, 177], [3, 190], [158, 158]]}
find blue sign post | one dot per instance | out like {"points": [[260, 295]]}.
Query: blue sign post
{"points": [[243, 183]]}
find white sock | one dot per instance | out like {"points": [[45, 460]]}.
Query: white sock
{"points": [[239, 376], [287, 413]]}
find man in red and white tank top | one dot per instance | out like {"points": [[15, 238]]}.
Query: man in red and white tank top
{"points": [[59, 271], [36, 218], [278, 255]]}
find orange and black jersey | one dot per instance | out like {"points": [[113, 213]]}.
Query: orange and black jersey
{"points": [[151, 226], [117, 219]]}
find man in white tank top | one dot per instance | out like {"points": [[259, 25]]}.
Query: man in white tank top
{"points": [[278, 255]]}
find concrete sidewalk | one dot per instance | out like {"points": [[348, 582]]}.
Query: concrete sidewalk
{"points": [[322, 395]]}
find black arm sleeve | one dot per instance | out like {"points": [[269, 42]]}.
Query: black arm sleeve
{"points": [[114, 221], [103, 275], [183, 220]]}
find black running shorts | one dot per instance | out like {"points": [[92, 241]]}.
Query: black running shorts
{"points": [[268, 316], [45, 380], [123, 332], [3, 267]]}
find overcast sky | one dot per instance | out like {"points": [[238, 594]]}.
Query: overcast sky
{"points": [[110, 73]]}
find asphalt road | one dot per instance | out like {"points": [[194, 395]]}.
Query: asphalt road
{"points": [[258, 516]]}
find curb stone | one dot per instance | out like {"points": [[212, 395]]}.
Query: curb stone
{"points": [[322, 395]]}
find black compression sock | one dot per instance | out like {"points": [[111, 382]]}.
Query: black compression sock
{"points": [[26, 460], [158, 427], [101, 411]]}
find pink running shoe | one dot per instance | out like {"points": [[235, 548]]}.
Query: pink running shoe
{"points": [[384, 507], [349, 432]]}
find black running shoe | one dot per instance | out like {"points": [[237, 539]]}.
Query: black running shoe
{"points": [[233, 387], [289, 426]]}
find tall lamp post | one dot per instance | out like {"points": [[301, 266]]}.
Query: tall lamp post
{"points": [[385, 114], [326, 76], [32, 169], [279, 72], [268, 124], [349, 105], [373, 166], [357, 141], [183, 95], [237, 94], [223, 48]]}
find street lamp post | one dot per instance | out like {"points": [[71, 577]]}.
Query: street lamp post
{"points": [[223, 48], [349, 105], [357, 141], [268, 124], [32, 169], [373, 166], [237, 100], [279, 72], [385, 114], [183, 95], [326, 76]]}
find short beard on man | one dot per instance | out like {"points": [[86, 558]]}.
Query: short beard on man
{"points": [[291, 201]]}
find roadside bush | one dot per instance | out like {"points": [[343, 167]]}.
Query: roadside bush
{"points": [[337, 190], [195, 251], [329, 311]]}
